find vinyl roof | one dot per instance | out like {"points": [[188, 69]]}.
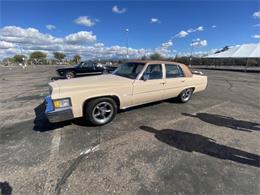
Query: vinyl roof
{"points": [[241, 51]]}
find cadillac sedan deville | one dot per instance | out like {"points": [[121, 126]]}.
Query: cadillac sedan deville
{"points": [[98, 98]]}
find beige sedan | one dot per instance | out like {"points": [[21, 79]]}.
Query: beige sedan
{"points": [[98, 98]]}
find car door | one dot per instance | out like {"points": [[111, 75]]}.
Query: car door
{"points": [[150, 86], [86, 68], [175, 81]]}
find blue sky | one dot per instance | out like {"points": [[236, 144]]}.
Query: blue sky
{"points": [[222, 22]]}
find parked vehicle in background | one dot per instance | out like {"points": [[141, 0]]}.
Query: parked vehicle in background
{"points": [[84, 68], [98, 98]]}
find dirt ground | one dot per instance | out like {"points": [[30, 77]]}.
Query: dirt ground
{"points": [[210, 145]]}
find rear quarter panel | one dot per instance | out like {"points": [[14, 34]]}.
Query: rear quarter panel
{"points": [[200, 82]]}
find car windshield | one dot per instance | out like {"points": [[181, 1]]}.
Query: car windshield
{"points": [[129, 70]]}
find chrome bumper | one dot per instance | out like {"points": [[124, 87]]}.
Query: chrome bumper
{"points": [[59, 115]]}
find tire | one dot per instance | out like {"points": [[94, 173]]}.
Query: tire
{"points": [[100, 111], [185, 95], [105, 71], [69, 75]]}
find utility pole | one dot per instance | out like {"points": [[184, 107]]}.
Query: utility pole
{"points": [[191, 51], [126, 31]]}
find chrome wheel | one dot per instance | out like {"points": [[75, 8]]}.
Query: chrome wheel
{"points": [[103, 112], [69, 75], [186, 95]]}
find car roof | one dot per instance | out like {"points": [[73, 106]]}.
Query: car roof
{"points": [[155, 62], [185, 68]]}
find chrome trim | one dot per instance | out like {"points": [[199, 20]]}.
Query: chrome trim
{"points": [[57, 115]]}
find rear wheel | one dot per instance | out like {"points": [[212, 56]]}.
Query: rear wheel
{"points": [[101, 111], [185, 95], [69, 75]]}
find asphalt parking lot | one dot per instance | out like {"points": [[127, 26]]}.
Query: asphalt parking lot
{"points": [[207, 146]]}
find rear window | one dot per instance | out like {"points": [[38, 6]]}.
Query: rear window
{"points": [[173, 71]]}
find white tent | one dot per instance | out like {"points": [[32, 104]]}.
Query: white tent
{"points": [[241, 51]]}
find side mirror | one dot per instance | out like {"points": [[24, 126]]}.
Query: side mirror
{"points": [[146, 77]]}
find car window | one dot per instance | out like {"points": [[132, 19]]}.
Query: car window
{"points": [[153, 71], [173, 71], [129, 70], [87, 65]]}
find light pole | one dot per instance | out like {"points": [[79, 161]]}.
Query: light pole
{"points": [[126, 31], [191, 51]]}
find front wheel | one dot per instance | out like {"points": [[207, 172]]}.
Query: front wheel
{"points": [[185, 95], [69, 75], [101, 111]]}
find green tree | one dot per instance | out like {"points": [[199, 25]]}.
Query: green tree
{"points": [[38, 55], [156, 56], [76, 58], [19, 58], [8, 61], [59, 56]]}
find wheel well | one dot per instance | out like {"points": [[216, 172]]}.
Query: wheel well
{"points": [[193, 88], [114, 97], [72, 71]]}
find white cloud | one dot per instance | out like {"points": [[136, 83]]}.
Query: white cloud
{"points": [[199, 43], [191, 30], [213, 26], [182, 34], [81, 37], [118, 10], [256, 14], [167, 45], [85, 21], [200, 28], [185, 33], [164, 49], [256, 25], [99, 45], [16, 34], [256, 36], [6, 45], [155, 20], [50, 27], [15, 39]]}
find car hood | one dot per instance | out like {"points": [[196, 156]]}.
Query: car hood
{"points": [[93, 82]]}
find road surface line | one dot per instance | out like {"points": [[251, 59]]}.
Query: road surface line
{"points": [[54, 151]]}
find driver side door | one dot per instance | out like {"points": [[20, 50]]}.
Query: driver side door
{"points": [[86, 68], [150, 86]]}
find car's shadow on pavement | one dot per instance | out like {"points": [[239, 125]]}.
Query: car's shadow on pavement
{"points": [[5, 188], [42, 124], [225, 121], [190, 142], [58, 78]]}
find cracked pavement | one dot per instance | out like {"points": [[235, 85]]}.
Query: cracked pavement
{"points": [[207, 146]]}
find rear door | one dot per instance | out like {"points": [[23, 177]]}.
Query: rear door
{"points": [[175, 81], [150, 86]]}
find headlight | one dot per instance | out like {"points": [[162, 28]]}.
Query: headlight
{"points": [[62, 103]]}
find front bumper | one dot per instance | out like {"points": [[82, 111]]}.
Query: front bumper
{"points": [[57, 115]]}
